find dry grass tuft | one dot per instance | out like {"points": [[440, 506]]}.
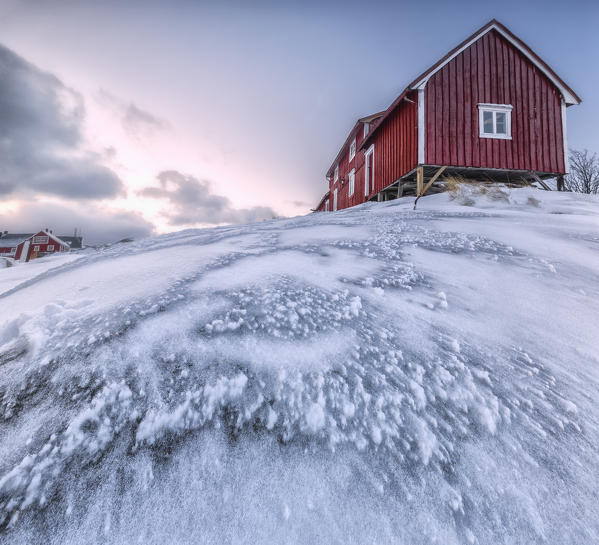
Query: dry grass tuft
{"points": [[466, 190]]}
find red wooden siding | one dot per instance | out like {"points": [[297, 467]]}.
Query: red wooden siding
{"points": [[493, 71], [396, 144], [344, 200], [395, 154], [43, 248]]}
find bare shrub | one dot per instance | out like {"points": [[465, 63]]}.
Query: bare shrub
{"points": [[584, 172]]}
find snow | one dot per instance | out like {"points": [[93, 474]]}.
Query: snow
{"points": [[375, 375]]}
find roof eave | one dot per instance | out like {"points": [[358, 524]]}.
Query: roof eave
{"points": [[366, 119]]}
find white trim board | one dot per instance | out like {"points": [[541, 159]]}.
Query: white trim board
{"points": [[568, 97], [368, 176], [421, 126], [565, 139]]}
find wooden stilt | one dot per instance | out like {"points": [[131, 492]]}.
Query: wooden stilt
{"points": [[424, 189], [560, 183], [541, 182], [399, 189], [419, 179]]}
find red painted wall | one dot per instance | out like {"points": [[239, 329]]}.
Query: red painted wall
{"points": [[396, 153], [396, 144], [344, 200], [493, 71], [43, 248]]}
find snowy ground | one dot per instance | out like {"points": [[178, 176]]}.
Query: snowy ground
{"points": [[375, 375]]}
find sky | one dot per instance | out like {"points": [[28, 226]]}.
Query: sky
{"points": [[127, 119]]}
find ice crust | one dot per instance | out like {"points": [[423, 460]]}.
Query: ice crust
{"points": [[376, 375]]}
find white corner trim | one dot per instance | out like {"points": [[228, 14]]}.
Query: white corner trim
{"points": [[368, 176], [421, 125], [569, 99], [565, 138]]}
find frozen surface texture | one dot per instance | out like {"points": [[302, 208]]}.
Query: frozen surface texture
{"points": [[375, 375]]}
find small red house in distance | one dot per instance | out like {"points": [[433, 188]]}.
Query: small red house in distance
{"points": [[29, 246], [491, 109]]}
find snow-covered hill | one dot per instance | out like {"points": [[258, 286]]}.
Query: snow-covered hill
{"points": [[375, 375]]}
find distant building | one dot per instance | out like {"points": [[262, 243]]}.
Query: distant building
{"points": [[27, 246], [491, 109], [75, 243]]}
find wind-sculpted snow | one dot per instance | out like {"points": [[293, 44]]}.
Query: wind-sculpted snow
{"points": [[376, 375]]}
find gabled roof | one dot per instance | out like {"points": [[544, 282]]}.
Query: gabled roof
{"points": [[570, 97], [372, 117], [367, 119], [13, 239], [324, 198], [74, 242], [54, 237]]}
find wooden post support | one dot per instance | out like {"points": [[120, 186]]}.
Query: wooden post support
{"points": [[560, 182], [428, 185], [538, 179], [399, 189], [419, 179]]}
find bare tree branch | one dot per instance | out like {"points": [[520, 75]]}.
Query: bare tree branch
{"points": [[584, 172]]}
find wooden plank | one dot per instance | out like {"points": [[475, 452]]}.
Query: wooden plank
{"points": [[452, 98], [419, 192], [467, 132], [419, 179], [538, 179], [445, 98]]}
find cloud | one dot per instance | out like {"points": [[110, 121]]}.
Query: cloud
{"points": [[98, 224], [137, 123], [301, 204], [41, 137], [192, 202]]}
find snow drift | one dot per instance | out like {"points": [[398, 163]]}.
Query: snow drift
{"points": [[375, 375]]}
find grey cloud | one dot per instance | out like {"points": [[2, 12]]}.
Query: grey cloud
{"points": [[192, 202], [136, 122], [40, 136], [99, 225], [301, 204]]}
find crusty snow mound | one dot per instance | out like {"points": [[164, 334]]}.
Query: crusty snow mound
{"points": [[375, 375]]}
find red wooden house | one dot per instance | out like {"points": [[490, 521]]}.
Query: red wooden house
{"points": [[29, 246], [491, 109]]}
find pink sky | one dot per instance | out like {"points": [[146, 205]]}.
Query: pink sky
{"points": [[255, 101]]}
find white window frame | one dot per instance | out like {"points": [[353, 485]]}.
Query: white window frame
{"points": [[50, 247], [368, 176], [326, 205], [351, 182], [36, 248], [366, 129], [352, 149], [495, 109], [41, 239], [335, 200], [336, 177], [13, 251]]}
